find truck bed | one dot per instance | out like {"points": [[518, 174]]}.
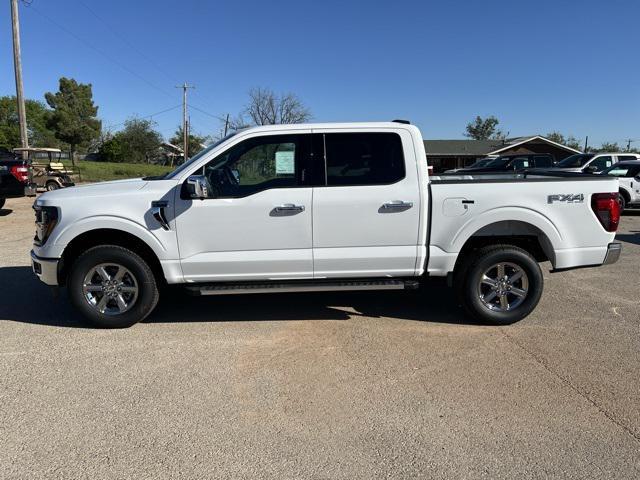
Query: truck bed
{"points": [[553, 207]]}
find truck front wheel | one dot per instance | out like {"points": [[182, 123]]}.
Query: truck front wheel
{"points": [[112, 286], [499, 284]]}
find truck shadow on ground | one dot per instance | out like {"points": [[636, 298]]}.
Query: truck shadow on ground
{"points": [[25, 299], [633, 237], [5, 211]]}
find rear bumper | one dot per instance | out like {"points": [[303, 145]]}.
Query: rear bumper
{"points": [[613, 253], [46, 269], [588, 260], [30, 190]]}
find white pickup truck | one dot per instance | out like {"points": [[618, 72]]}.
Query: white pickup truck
{"points": [[320, 207]]}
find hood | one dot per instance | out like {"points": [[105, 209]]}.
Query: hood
{"points": [[112, 188]]}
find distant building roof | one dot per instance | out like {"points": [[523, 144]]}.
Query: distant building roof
{"points": [[463, 148]]}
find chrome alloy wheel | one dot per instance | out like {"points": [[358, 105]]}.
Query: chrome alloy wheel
{"points": [[110, 288], [503, 287]]}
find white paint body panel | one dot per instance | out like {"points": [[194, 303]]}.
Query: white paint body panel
{"points": [[632, 187], [341, 232], [238, 239], [354, 236]]}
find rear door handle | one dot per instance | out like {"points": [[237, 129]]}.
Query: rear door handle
{"points": [[397, 205]]}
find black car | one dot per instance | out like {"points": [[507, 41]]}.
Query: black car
{"points": [[511, 163], [15, 175]]}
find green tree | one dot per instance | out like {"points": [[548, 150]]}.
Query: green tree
{"points": [[608, 147], [37, 117], [138, 141], [569, 141], [196, 142], [74, 117], [484, 129]]}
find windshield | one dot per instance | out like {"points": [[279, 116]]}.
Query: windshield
{"points": [[195, 158], [575, 161], [499, 162], [480, 163]]}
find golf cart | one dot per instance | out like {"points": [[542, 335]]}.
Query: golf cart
{"points": [[48, 171]]}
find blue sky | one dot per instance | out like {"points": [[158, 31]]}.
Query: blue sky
{"points": [[571, 66]]}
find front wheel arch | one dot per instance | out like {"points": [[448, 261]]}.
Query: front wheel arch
{"points": [[103, 237]]}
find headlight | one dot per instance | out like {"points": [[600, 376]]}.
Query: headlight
{"points": [[46, 220]]}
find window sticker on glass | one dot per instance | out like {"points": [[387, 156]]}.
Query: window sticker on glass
{"points": [[285, 164]]}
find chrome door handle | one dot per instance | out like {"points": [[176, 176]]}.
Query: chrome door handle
{"points": [[397, 205], [288, 208]]}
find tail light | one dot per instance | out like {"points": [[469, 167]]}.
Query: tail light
{"points": [[607, 208], [21, 173]]}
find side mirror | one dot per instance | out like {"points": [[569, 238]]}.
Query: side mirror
{"points": [[197, 186]]}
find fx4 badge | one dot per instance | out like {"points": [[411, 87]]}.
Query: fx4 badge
{"points": [[566, 198]]}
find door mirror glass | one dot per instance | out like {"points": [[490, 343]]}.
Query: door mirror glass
{"points": [[197, 187]]}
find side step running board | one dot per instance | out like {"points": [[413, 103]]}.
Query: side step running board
{"points": [[319, 286]]}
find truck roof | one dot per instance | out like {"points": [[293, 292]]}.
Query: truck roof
{"points": [[299, 126]]}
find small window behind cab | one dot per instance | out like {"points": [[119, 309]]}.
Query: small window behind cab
{"points": [[363, 158]]}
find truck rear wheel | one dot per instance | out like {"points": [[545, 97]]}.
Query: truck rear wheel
{"points": [[112, 286], [2, 200], [499, 284]]}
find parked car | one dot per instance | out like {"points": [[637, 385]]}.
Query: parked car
{"points": [[628, 173], [481, 162], [512, 163], [49, 172], [593, 162], [15, 174], [290, 208]]}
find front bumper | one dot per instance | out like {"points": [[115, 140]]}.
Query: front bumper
{"points": [[46, 269], [613, 253]]}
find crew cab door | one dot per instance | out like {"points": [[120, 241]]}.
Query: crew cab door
{"points": [[257, 225], [366, 217]]}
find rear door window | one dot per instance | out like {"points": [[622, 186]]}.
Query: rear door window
{"points": [[542, 161], [363, 158]]}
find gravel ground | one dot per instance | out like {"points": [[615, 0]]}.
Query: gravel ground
{"points": [[350, 385]]}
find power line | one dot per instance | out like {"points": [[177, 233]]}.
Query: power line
{"points": [[131, 45], [105, 55], [146, 116], [110, 58]]}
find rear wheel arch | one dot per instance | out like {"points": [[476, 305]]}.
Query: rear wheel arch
{"points": [[625, 194], [99, 237], [517, 233]]}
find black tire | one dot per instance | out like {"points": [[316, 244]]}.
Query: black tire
{"points": [[2, 200], [622, 201], [475, 296], [51, 186], [145, 299]]}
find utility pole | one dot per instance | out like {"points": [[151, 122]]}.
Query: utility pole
{"points": [[17, 66], [586, 143], [629, 144], [185, 121], [226, 125]]}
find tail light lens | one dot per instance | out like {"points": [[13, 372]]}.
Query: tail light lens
{"points": [[607, 209], [21, 173]]}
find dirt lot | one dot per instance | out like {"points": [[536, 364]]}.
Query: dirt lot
{"points": [[362, 385]]}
